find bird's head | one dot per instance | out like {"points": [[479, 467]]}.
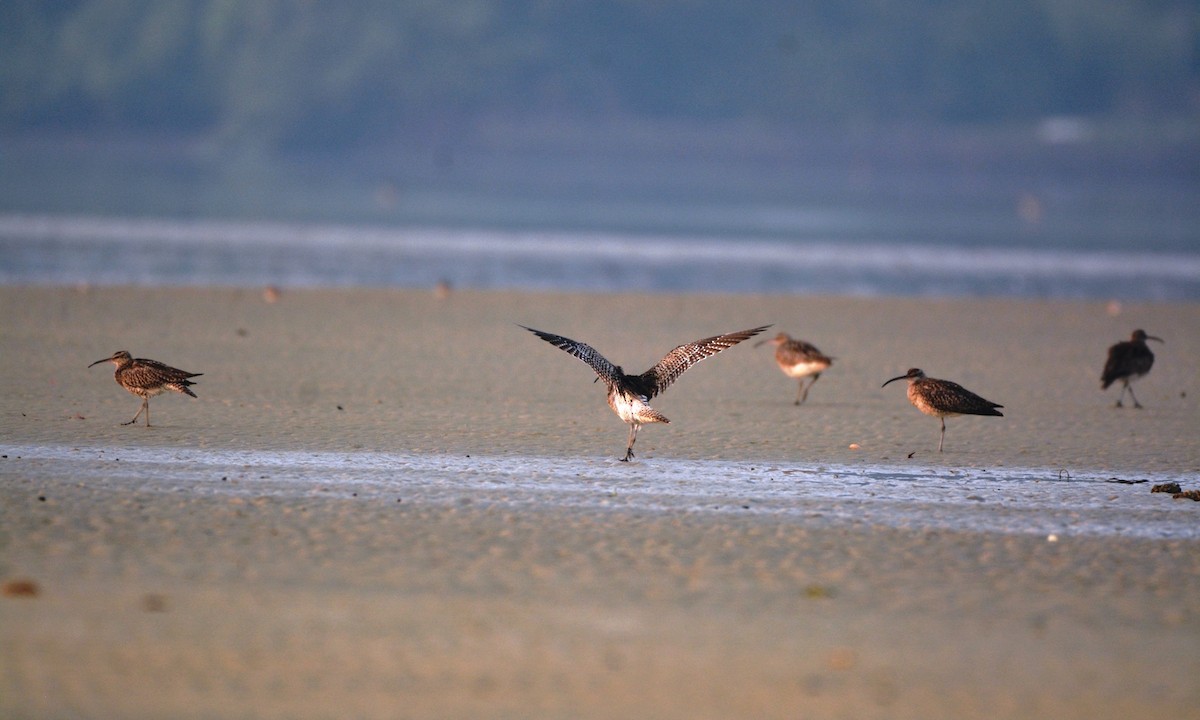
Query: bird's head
{"points": [[778, 340], [120, 356], [912, 374]]}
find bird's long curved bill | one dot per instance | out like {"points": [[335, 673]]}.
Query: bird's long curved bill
{"points": [[100, 361], [902, 377]]}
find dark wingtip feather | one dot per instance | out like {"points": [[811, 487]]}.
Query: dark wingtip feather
{"points": [[548, 337]]}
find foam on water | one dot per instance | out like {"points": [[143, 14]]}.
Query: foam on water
{"points": [[1002, 500]]}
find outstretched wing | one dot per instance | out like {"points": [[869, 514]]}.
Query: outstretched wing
{"points": [[604, 369], [668, 370]]}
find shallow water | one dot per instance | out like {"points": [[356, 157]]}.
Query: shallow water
{"points": [[1003, 500], [846, 261]]}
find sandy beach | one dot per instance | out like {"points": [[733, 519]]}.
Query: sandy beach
{"points": [[410, 583]]}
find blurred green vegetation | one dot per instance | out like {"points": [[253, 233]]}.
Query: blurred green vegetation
{"points": [[280, 75]]}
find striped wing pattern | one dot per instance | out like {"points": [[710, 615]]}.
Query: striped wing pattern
{"points": [[668, 370], [950, 397], [604, 369], [143, 374], [794, 352]]}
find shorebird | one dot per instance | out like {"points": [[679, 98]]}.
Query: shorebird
{"points": [[629, 395], [943, 399], [798, 359], [1128, 361], [147, 378]]}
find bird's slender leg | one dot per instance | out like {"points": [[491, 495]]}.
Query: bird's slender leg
{"points": [[1136, 404], [804, 389], [801, 393], [1121, 396], [145, 406], [942, 438], [633, 430]]}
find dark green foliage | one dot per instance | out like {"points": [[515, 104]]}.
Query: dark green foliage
{"points": [[278, 74]]}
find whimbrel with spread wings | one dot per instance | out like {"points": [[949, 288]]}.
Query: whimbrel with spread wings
{"points": [[629, 395]]}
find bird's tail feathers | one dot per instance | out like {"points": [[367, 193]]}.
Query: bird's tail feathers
{"points": [[650, 415]]}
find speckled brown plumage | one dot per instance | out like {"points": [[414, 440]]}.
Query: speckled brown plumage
{"points": [[147, 378], [798, 359], [629, 395], [943, 399], [1128, 361]]}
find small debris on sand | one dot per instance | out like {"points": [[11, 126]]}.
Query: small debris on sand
{"points": [[154, 602], [20, 588]]}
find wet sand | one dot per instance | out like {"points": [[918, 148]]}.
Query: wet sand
{"points": [[149, 601]]}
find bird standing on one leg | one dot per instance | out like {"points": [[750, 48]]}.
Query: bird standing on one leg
{"points": [[943, 399], [1128, 361], [798, 359], [147, 378], [629, 395]]}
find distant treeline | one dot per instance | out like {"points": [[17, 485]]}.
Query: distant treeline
{"points": [[292, 73]]}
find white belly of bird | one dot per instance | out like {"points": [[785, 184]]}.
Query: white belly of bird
{"points": [[803, 369], [634, 409]]}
